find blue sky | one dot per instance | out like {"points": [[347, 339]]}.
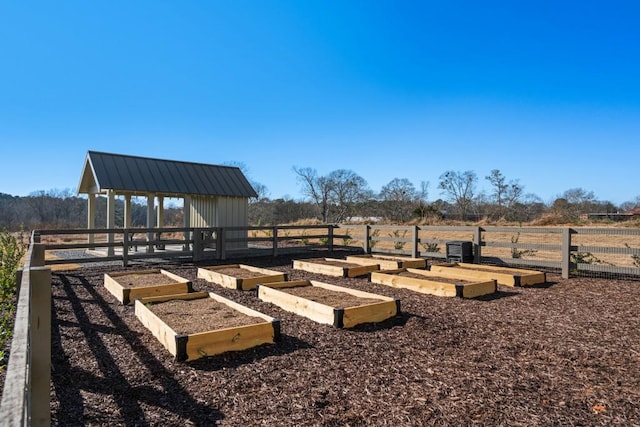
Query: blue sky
{"points": [[547, 92]]}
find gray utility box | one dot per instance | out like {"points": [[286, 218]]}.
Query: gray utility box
{"points": [[460, 251]]}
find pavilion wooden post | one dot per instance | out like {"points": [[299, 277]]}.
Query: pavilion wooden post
{"points": [[186, 219], [127, 211], [150, 220], [91, 216], [160, 212], [111, 219]]}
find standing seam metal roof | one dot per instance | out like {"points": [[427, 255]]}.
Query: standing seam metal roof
{"points": [[123, 173]]}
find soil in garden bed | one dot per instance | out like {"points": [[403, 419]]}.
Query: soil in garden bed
{"points": [[337, 263], [501, 270], [329, 297], [504, 270], [136, 280], [200, 315], [240, 273], [432, 278]]}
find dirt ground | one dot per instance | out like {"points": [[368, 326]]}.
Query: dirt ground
{"points": [[563, 353]]}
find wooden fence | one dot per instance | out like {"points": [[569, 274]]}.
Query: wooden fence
{"points": [[25, 398], [571, 251]]}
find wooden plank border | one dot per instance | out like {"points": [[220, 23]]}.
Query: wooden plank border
{"points": [[339, 317], [187, 347], [431, 285]]}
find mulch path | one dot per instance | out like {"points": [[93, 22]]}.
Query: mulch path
{"points": [[564, 353]]}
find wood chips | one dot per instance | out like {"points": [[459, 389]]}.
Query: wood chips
{"points": [[566, 353]]}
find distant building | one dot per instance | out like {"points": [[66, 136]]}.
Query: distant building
{"points": [[614, 216]]}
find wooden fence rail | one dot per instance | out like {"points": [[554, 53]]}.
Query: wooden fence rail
{"points": [[571, 251], [25, 397]]}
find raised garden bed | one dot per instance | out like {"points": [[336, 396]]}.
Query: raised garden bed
{"points": [[199, 324], [388, 262], [126, 286], [329, 304], [503, 275], [239, 276], [428, 282], [333, 267]]}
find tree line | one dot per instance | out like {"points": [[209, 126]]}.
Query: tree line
{"points": [[343, 195], [339, 196]]}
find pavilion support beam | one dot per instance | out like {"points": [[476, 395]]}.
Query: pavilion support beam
{"points": [[186, 219], [160, 212], [127, 211], [150, 219], [111, 219], [91, 216]]}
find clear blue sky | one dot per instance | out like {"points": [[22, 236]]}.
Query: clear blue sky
{"points": [[546, 91]]}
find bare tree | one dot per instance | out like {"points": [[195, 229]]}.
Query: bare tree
{"points": [[347, 190], [459, 188], [505, 194], [317, 188], [398, 196], [423, 208], [335, 194]]}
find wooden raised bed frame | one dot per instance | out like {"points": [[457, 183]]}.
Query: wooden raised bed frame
{"points": [[339, 317], [126, 294], [388, 262], [194, 346], [321, 266], [504, 275], [430, 284], [210, 274]]}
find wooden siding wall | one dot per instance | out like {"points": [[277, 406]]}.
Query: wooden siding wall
{"points": [[221, 212], [202, 212], [232, 212]]}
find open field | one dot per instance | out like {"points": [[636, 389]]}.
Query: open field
{"points": [[565, 353]]}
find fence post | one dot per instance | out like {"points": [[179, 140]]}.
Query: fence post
{"points": [[274, 243], [37, 259], [197, 245], [477, 245], [125, 247], [40, 344], [330, 237], [220, 240], [414, 247], [367, 247], [566, 252]]}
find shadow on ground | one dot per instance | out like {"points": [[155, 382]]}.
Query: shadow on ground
{"points": [[74, 296]]}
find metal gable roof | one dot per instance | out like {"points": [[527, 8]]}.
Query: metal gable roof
{"points": [[123, 173]]}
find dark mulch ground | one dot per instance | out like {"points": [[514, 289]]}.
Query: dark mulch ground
{"points": [[566, 353]]}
